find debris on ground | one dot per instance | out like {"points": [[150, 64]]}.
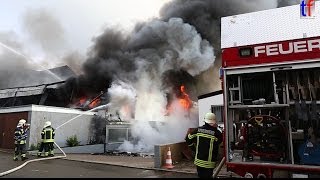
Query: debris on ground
{"points": [[118, 153]]}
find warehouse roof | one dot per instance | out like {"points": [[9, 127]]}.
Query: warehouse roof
{"points": [[27, 91], [42, 80]]}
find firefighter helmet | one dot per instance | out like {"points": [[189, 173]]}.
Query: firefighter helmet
{"points": [[47, 124], [21, 122], [210, 118]]}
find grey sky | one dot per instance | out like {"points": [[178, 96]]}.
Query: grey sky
{"points": [[80, 20]]}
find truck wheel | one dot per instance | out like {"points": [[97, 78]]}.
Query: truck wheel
{"points": [[248, 175]]}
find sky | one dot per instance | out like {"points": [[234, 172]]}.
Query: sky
{"points": [[71, 25], [80, 20]]}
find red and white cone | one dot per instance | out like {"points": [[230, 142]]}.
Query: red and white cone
{"points": [[168, 164]]}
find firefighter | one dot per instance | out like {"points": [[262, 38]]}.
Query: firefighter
{"points": [[47, 136], [20, 137], [309, 151], [206, 140]]}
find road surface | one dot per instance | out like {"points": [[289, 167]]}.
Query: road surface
{"points": [[60, 168]]}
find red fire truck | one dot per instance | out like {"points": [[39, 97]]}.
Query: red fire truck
{"points": [[271, 85]]}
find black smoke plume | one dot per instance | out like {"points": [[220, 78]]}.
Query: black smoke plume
{"points": [[116, 55]]}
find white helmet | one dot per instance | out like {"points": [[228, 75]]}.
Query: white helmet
{"points": [[46, 124], [21, 122], [210, 118]]}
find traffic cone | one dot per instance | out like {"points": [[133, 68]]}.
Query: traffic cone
{"points": [[168, 164]]}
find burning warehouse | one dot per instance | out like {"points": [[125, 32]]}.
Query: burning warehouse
{"points": [[37, 102], [42, 91], [153, 73]]}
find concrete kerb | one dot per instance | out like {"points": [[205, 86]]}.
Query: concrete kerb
{"points": [[6, 151], [101, 162], [146, 168], [128, 166]]}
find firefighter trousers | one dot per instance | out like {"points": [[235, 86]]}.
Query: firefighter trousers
{"points": [[47, 147], [20, 149], [204, 172]]}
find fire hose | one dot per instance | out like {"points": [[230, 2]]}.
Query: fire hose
{"points": [[48, 158], [33, 160], [219, 167]]}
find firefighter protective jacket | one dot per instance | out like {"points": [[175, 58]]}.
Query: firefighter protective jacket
{"points": [[206, 140], [47, 134], [20, 135]]}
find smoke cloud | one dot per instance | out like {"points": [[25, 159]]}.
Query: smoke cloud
{"points": [[205, 16], [74, 60], [150, 125], [282, 3], [13, 67], [162, 57], [45, 30], [122, 98], [155, 47], [144, 70], [166, 55]]}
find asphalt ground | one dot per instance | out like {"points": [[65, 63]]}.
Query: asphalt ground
{"points": [[61, 168]]}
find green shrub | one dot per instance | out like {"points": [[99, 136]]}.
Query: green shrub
{"points": [[35, 147], [72, 141]]}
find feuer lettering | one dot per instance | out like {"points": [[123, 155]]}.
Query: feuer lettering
{"points": [[287, 48]]}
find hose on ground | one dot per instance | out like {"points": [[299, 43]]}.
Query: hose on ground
{"points": [[56, 157], [219, 167], [33, 160]]}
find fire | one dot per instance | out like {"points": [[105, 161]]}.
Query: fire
{"points": [[94, 103], [85, 102], [184, 100], [82, 100], [126, 111]]}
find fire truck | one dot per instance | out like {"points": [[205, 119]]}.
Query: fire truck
{"points": [[270, 78]]}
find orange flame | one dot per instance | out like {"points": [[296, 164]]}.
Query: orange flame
{"points": [[94, 103], [184, 100], [82, 100]]}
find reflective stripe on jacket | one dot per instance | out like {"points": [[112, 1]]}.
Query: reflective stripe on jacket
{"points": [[207, 140], [47, 134], [20, 135]]}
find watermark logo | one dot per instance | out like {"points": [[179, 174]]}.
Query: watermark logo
{"points": [[307, 8]]}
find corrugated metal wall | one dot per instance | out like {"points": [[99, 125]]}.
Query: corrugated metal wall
{"points": [[8, 123], [218, 111]]}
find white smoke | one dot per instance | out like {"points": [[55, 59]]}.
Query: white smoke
{"points": [[122, 99], [187, 51], [159, 46], [172, 129], [13, 66], [151, 102], [45, 30]]}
